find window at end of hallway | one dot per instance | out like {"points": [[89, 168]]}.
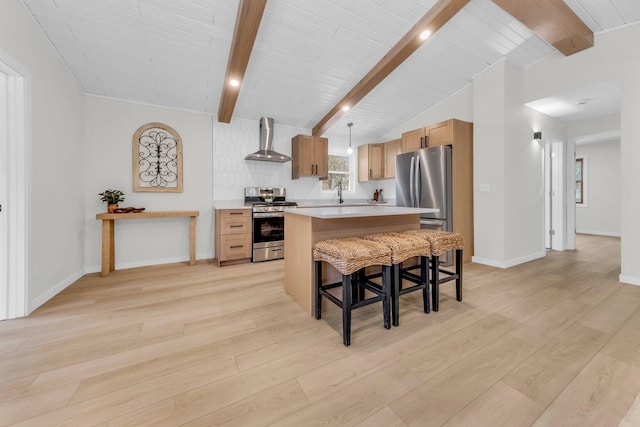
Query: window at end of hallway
{"points": [[339, 171], [580, 181]]}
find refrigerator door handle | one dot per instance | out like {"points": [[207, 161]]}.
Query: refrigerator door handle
{"points": [[412, 193], [417, 184]]}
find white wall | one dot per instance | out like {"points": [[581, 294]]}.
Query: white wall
{"points": [[56, 230], [457, 106], [489, 149], [214, 169], [109, 128], [601, 214], [608, 60]]}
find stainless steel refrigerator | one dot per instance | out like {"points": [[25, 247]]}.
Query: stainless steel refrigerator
{"points": [[423, 179]]}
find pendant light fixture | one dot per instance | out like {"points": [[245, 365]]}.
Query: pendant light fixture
{"points": [[350, 149]]}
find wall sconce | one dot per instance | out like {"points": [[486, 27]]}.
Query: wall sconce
{"points": [[537, 136]]}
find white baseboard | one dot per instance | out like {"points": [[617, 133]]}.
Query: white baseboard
{"points": [[629, 279], [37, 302], [146, 263], [599, 233], [509, 263]]}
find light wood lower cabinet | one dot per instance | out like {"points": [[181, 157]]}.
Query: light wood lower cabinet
{"points": [[233, 236]]}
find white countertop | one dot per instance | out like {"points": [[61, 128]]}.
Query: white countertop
{"points": [[357, 211], [229, 204]]}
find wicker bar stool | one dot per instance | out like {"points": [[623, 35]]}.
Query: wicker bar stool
{"points": [[349, 256], [403, 247], [441, 242]]}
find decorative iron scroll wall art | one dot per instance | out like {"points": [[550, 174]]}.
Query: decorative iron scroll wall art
{"points": [[157, 159]]}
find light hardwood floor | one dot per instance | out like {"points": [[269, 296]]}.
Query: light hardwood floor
{"points": [[554, 342]]}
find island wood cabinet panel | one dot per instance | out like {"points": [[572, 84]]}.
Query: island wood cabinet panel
{"points": [[309, 156], [391, 150], [233, 236], [370, 162]]}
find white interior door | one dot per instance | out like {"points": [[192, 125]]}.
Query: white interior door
{"points": [[4, 184], [14, 162], [554, 179]]}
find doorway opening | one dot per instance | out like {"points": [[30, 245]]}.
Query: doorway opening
{"points": [[14, 84], [559, 190]]}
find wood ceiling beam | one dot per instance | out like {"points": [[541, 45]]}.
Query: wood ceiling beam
{"points": [[244, 35], [553, 21], [432, 21]]}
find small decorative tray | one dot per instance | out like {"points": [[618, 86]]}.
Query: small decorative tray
{"points": [[128, 210]]}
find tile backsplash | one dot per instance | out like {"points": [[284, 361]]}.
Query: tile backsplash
{"points": [[231, 172]]}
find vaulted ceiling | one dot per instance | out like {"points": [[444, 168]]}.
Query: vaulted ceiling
{"points": [[308, 54]]}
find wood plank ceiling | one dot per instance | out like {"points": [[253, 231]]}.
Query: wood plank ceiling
{"points": [[307, 54]]}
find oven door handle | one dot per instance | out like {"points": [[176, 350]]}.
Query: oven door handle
{"points": [[268, 214]]}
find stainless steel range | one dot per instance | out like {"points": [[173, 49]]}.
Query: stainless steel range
{"points": [[268, 221]]}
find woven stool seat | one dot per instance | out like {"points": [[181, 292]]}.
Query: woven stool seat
{"points": [[441, 241], [350, 254], [403, 246]]}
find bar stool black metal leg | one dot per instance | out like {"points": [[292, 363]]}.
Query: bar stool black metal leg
{"points": [[459, 274], [435, 282], [317, 289], [424, 277], [346, 309], [362, 277], [396, 276], [386, 290]]}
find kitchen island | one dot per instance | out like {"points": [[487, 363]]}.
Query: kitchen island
{"points": [[303, 227]]}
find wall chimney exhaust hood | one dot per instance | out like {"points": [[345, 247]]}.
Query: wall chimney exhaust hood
{"points": [[266, 153]]}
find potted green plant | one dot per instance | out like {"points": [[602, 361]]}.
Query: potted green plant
{"points": [[112, 197]]}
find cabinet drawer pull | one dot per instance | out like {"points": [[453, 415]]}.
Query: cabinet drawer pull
{"points": [[426, 141], [422, 142], [236, 246], [370, 173], [236, 226], [236, 213]]}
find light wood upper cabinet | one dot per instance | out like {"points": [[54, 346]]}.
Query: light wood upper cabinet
{"points": [[378, 161], [428, 136], [309, 156], [415, 139], [391, 150], [441, 133], [370, 162]]}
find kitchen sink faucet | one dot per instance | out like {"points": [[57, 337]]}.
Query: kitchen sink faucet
{"points": [[340, 192]]}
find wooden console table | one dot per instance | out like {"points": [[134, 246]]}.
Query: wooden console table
{"points": [[108, 227]]}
